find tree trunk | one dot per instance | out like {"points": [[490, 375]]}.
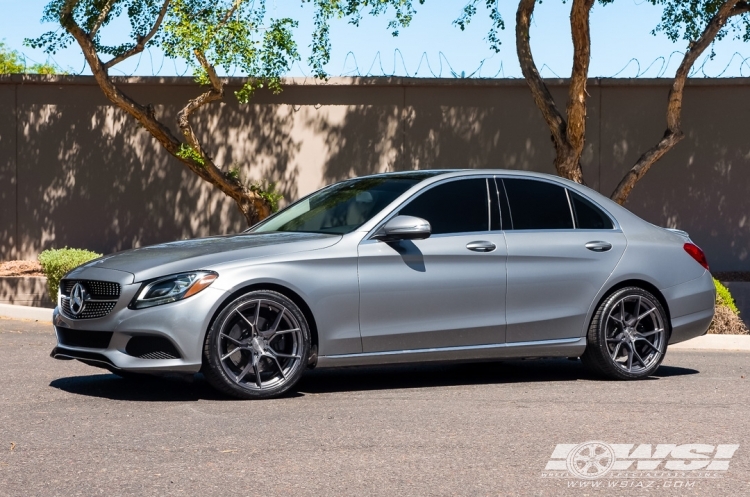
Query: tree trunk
{"points": [[673, 135], [568, 136]]}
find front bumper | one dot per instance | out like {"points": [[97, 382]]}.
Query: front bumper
{"points": [[183, 324]]}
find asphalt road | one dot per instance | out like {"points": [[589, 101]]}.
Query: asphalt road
{"points": [[475, 429]]}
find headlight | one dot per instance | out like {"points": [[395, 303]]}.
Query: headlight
{"points": [[172, 288]]}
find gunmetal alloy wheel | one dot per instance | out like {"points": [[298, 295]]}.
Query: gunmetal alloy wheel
{"points": [[258, 346], [628, 335]]}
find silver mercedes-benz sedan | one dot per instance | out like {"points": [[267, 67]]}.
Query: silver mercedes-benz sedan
{"points": [[393, 268]]}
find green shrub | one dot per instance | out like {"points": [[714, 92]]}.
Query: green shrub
{"points": [[56, 263], [723, 297]]}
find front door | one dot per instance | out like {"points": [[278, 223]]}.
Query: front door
{"points": [[445, 291]]}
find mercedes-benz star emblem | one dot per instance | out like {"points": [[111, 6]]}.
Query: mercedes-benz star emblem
{"points": [[78, 298]]}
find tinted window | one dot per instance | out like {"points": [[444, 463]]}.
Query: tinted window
{"points": [[453, 207], [495, 224], [588, 216], [537, 205]]}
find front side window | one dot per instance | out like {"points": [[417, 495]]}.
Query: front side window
{"points": [[459, 206], [343, 207], [537, 205]]}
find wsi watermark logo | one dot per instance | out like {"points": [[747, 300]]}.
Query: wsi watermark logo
{"points": [[642, 465]]}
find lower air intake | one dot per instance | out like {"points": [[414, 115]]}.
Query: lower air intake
{"points": [[151, 347]]}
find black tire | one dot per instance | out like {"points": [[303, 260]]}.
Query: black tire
{"points": [[616, 332], [236, 348]]}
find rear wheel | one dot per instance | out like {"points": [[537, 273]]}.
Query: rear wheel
{"points": [[627, 338], [257, 347]]}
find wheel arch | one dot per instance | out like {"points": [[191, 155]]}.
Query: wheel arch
{"points": [[645, 285], [285, 291]]}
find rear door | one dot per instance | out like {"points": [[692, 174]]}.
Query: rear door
{"points": [[445, 291], [561, 249]]}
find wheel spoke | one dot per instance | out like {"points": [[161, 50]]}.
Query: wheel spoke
{"points": [[630, 358], [230, 353], [622, 311], [285, 356], [245, 370], [649, 333], [258, 381], [257, 314], [644, 315], [233, 340], [252, 328], [278, 365], [280, 332], [637, 309], [638, 356], [649, 344], [616, 352]]}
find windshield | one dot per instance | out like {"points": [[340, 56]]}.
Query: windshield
{"points": [[343, 207]]}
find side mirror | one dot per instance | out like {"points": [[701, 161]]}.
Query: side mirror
{"points": [[404, 228]]}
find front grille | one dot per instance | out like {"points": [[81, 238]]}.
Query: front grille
{"points": [[101, 298], [84, 338], [151, 347], [91, 310], [97, 289]]}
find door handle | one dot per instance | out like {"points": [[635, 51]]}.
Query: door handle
{"points": [[481, 246], [598, 246]]}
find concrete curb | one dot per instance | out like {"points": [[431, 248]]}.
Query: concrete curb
{"points": [[25, 312], [715, 342]]}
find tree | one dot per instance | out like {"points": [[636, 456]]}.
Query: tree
{"points": [[699, 22], [211, 36], [13, 62]]}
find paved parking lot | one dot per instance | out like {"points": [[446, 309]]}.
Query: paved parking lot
{"points": [[474, 429]]}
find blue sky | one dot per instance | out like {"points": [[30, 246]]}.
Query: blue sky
{"points": [[622, 44]]}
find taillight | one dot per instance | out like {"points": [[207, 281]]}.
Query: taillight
{"points": [[696, 253]]}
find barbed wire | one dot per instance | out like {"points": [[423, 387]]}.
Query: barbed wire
{"points": [[442, 68]]}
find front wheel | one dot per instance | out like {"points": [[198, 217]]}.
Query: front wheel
{"points": [[627, 338], [257, 347]]}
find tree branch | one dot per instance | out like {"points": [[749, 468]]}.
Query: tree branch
{"points": [[142, 40], [102, 16], [250, 204], [229, 14], [539, 91], [674, 134]]}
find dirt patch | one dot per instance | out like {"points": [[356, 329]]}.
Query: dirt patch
{"points": [[20, 268], [732, 276]]}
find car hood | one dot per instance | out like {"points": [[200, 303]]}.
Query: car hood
{"points": [[201, 253]]}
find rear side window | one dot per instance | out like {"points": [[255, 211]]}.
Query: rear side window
{"points": [[588, 216], [455, 207], [537, 205]]}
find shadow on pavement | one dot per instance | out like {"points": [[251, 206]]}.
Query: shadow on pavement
{"points": [[193, 388], [146, 389], [425, 376]]}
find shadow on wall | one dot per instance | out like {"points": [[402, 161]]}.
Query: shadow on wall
{"points": [[701, 186], [89, 177]]}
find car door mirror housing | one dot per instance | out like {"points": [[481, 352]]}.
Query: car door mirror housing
{"points": [[404, 228]]}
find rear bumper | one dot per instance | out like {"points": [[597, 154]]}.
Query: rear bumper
{"points": [[691, 306]]}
